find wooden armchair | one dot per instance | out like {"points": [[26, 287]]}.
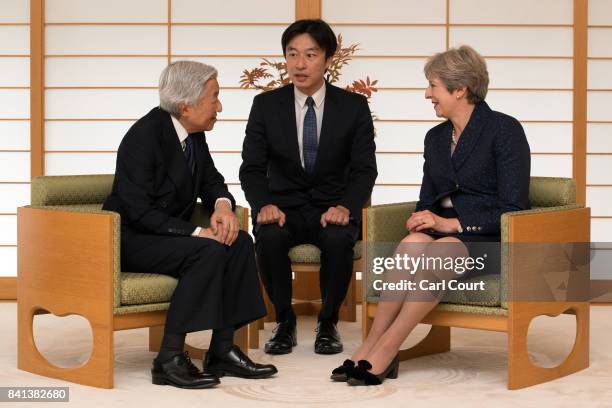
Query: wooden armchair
{"points": [[554, 218], [68, 263]]}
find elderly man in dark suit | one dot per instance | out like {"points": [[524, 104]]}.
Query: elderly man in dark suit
{"points": [[163, 166], [308, 168]]}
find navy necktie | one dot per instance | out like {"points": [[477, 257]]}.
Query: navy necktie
{"points": [[189, 153], [309, 137]]}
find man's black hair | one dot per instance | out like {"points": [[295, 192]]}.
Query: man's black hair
{"points": [[318, 29]]}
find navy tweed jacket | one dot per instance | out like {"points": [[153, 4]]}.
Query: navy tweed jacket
{"points": [[487, 175]]}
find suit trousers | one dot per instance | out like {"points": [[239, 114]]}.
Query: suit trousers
{"points": [[302, 226], [217, 284]]}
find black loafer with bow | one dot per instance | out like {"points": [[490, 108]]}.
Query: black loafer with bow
{"points": [[342, 373], [361, 375]]}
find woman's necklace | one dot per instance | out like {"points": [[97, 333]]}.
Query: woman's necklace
{"points": [[453, 139]]}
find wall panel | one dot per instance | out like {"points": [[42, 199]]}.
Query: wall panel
{"points": [[14, 125], [15, 135], [99, 103], [13, 196], [103, 72], [515, 41], [14, 40], [511, 12], [106, 40], [205, 40], [14, 104], [116, 11], [8, 255], [394, 194], [599, 138], [393, 40], [384, 11], [268, 11], [600, 201], [85, 135], [63, 164]]}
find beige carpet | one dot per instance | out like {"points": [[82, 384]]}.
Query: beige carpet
{"points": [[472, 374]]}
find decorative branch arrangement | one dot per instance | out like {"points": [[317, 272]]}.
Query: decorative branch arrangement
{"points": [[271, 74]]}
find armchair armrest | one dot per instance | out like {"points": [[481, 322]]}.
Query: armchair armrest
{"points": [[68, 259], [383, 228], [528, 236], [386, 222]]}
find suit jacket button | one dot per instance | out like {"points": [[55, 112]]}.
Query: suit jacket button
{"points": [[469, 229], [163, 204], [457, 186], [479, 228]]}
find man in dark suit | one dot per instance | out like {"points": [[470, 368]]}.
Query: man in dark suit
{"points": [[163, 166], [308, 168]]}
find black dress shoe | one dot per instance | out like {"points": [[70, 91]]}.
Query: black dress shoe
{"points": [[284, 339], [180, 372], [344, 372], [361, 375], [235, 363], [328, 340]]}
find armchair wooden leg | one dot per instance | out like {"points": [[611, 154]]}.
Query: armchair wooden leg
{"points": [[156, 333], [521, 371], [436, 341], [366, 321], [348, 309], [241, 338], [254, 333], [96, 372]]}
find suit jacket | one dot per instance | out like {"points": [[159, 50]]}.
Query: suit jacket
{"points": [[345, 167], [154, 190], [487, 175]]}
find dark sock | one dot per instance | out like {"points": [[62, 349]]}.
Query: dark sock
{"points": [[286, 315], [172, 344], [222, 340]]}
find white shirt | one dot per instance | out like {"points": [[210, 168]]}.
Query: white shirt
{"points": [[300, 112], [182, 136]]}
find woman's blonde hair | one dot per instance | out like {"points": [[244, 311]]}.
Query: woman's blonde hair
{"points": [[459, 67]]}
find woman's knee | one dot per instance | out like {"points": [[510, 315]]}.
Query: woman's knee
{"points": [[417, 237]]}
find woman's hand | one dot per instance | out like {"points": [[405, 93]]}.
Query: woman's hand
{"points": [[425, 219]]}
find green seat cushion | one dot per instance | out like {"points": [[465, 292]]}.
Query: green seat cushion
{"points": [[307, 253], [142, 288]]}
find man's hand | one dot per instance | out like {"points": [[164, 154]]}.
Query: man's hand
{"points": [[224, 224], [270, 214], [425, 219], [337, 215]]}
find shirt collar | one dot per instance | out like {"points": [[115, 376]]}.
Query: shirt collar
{"points": [[180, 130], [318, 96]]}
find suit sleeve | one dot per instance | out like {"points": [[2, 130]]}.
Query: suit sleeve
{"points": [[362, 165], [135, 189], [427, 194], [513, 163], [254, 168], [213, 184]]}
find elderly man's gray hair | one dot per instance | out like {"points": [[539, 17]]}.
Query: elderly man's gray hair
{"points": [[183, 81]]}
